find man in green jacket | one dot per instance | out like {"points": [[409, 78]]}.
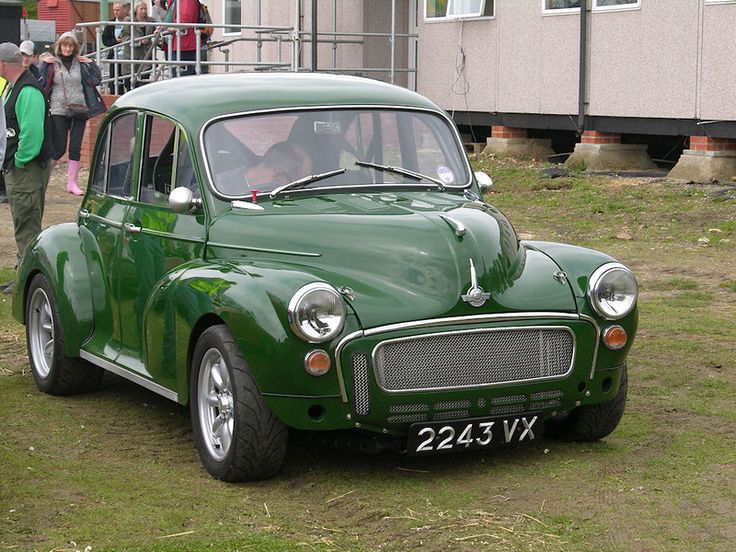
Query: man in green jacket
{"points": [[25, 164]]}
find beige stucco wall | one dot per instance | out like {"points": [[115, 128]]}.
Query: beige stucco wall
{"points": [[668, 59]]}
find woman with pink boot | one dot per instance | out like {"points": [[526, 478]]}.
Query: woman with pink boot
{"points": [[71, 81]]}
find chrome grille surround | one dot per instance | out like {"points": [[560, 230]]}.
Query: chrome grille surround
{"points": [[475, 358]]}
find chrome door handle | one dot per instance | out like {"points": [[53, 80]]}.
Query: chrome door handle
{"points": [[131, 228], [83, 214]]}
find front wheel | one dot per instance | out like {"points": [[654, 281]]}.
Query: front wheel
{"points": [[53, 372], [238, 437], [594, 421]]}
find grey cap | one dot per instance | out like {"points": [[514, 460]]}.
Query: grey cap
{"points": [[27, 47], [9, 53]]}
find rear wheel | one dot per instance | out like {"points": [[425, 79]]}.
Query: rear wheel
{"points": [[52, 370], [594, 421], [238, 437]]}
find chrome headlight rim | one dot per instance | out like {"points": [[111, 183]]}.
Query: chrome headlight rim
{"points": [[296, 302], [597, 277]]}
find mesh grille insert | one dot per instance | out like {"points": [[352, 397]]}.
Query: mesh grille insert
{"points": [[360, 380], [456, 360]]}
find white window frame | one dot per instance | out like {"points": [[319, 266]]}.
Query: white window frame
{"points": [[558, 11], [475, 15], [636, 5], [720, 1], [225, 31]]}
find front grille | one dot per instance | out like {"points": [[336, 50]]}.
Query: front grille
{"points": [[362, 388], [466, 359]]}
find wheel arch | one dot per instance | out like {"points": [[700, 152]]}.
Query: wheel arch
{"points": [[57, 253]]}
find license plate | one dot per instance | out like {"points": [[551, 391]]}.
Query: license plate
{"points": [[472, 434]]}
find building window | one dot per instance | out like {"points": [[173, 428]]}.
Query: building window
{"points": [[232, 15], [456, 9], [616, 4], [560, 6]]}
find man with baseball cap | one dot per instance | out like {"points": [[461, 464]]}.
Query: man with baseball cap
{"points": [[26, 162]]}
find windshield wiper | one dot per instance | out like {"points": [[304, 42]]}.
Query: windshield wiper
{"points": [[403, 171], [304, 181]]}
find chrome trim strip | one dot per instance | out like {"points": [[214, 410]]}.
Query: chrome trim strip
{"points": [[594, 322], [102, 220], [123, 373], [469, 320], [466, 332], [338, 351], [170, 235], [264, 249], [342, 107]]}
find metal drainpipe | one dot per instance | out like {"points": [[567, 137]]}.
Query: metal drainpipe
{"points": [[583, 70], [314, 36], [259, 44], [393, 41], [334, 37]]}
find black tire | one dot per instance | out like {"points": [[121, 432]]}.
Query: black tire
{"points": [[53, 372], [238, 437], [592, 422]]}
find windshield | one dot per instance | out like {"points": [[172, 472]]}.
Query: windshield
{"points": [[374, 147]]}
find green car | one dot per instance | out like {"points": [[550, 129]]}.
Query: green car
{"points": [[313, 252]]}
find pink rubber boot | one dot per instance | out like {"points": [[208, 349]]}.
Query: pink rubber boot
{"points": [[72, 172]]}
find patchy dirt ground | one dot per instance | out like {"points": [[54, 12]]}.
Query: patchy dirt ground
{"points": [[117, 470]]}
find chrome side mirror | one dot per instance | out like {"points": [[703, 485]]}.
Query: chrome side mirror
{"points": [[181, 200], [485, 182]]}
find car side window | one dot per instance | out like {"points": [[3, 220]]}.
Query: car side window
{"points": [[185, 175], [98, 180], [122, 153], [159, 149]]}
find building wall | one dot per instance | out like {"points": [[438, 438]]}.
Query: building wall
{"points": [[668, 59]]}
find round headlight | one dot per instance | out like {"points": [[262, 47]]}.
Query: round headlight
{"points": [[612, 291], [317, 312]]}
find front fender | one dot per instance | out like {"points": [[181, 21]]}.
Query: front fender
{"points": [[252, 302], [57, 254]]}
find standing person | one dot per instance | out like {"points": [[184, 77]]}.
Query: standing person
{"points": [[188, 13], [3, 195], [111, 35], [159, 10], [30, 57], [142, 46], [25, 163], [71, 82], [3, 132]]}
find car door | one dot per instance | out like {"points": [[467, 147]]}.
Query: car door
{"points": [[101, 219], [156, 240]]}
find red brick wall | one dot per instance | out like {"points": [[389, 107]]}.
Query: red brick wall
{"points": [[705, 143], [498, 131], [595, 137]]}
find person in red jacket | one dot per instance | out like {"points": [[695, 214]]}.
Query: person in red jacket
{"points": [[188, 13]]}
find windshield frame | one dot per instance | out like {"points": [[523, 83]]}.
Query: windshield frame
{"points": [[347, 187]]}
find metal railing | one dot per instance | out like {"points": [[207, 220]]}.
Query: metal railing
{"points": [[122, 72]]}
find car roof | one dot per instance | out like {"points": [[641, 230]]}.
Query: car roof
{"points": [[194, 100]]}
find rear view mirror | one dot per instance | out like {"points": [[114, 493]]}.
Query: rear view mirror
{"points": [[485, 182], [181, 200]]}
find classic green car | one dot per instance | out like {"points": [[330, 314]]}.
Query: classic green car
{"points": [[313, 252]]}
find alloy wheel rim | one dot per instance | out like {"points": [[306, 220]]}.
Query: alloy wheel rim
{"points": [[41, 333], [216, 404]]}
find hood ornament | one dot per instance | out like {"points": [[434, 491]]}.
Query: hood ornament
{"points": [[475, 295]]}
